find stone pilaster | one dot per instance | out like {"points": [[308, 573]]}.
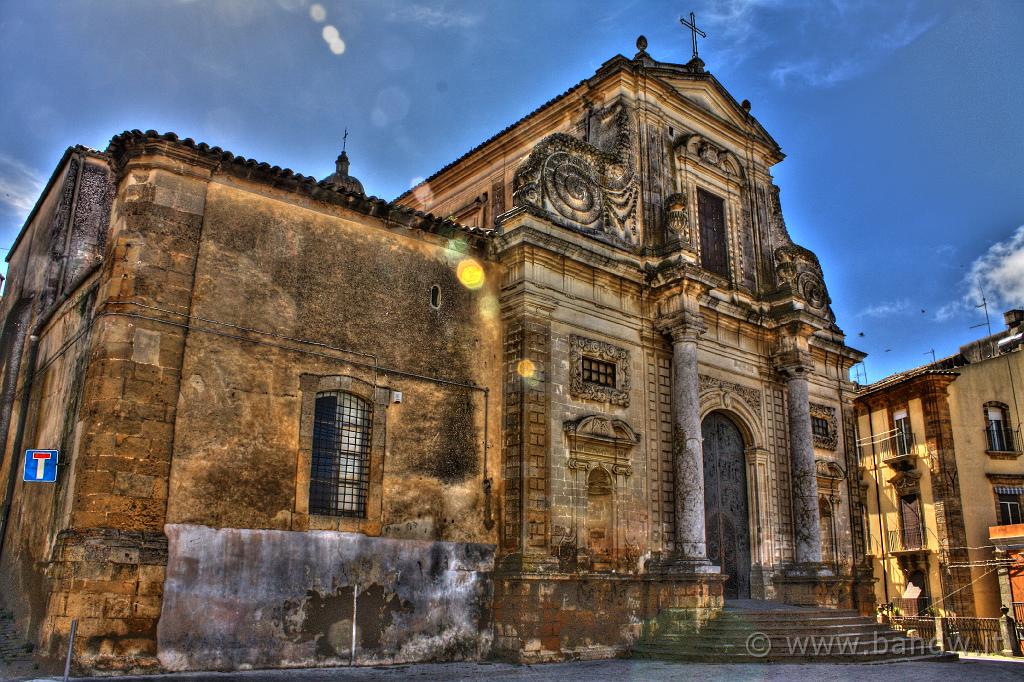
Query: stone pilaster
{"points": [[690, 554], [795, 366]]}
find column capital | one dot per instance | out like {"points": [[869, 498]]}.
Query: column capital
{"points": [[793, 363], [682, 326]]}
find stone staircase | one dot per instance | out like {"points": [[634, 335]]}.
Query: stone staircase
{"points": [[760, 632]]}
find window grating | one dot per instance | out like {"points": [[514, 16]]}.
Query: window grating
{"points": [[820, 426], [599, 372], [339, 478]]}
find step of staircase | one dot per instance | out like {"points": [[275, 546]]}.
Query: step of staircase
{"points": [[789, 634]]}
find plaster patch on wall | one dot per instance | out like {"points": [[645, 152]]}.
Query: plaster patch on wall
{"points": [[239, 598]]}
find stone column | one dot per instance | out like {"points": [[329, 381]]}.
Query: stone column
{"points": [[690, 553], [795, 366]]}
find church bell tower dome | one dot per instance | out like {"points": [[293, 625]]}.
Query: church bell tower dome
{"points": [[341, 179]]}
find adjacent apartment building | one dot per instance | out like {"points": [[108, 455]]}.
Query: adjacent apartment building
{"points": [[943, 478]]}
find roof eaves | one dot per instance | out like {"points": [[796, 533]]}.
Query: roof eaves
{"points": [[285, 178]]}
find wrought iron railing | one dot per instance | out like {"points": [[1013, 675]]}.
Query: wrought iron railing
{"points": [[900, 444], [909, 608], [923, 626], [1002, 438], [1018, 616], [973, 634], [906, 539]]}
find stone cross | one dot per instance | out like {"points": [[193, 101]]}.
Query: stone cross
{"points": [[692, 25]]}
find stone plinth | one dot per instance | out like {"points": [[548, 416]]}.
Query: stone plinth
{"points": [[810, 588], [556, 617]]}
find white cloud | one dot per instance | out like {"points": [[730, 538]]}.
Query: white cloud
{"points": [[432, 17], [19, 186], [998, 274], [885, 308]]}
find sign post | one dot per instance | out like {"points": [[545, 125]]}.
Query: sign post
{"points": [[40, 466]]}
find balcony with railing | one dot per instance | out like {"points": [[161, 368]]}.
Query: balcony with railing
{"points": [[1002, 439], [910, 539], [898, 450]]}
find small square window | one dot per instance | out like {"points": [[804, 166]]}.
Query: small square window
{"points": [[820, 427], [598, 372]]}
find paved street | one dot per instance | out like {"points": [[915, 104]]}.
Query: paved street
{"points": [[620, 670]]}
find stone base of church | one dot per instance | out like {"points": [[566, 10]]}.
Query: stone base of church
{"points": [[561, 616], [802, 587]]}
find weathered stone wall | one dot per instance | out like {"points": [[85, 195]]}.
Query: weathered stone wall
{"points": [[558, 616], [285, 599], [51, 293], [285, 291], [112, 581]]}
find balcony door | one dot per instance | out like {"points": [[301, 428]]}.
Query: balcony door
{"points": [[911, 526]]}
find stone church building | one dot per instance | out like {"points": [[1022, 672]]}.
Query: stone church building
{"points": [[576, 383]]}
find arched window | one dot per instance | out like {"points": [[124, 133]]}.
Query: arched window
{"points": [[340, 467]]}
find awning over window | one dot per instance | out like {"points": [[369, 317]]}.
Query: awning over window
{"points": [[1009, 490]]}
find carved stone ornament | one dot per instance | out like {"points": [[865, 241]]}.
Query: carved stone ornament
{"points": [[578, 388], [831, 441], [678, 220], [829, 470], [583, 187], [701, 149], [599, 427], [800, 275], [751, 397], [906, 482]]}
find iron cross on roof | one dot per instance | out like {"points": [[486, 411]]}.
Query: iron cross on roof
{"points": [[692, 25]]}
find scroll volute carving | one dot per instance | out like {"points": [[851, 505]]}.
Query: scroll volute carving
{"points": [[799, 274], [584, 187]]}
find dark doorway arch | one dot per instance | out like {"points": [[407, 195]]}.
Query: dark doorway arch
{"points": [[726, 513]]}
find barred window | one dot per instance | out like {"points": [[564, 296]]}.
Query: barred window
{"points": [[820, 427], [339, 478], [598, 372]]}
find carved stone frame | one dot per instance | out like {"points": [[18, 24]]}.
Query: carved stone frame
{"points": [[828, 413], [580, 346]]}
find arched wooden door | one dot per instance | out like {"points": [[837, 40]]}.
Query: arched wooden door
{"points": [[727, 520]]}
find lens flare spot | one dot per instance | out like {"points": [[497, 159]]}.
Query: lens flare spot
{"points": [[421, 190], [317, 12], [330, 33], [470, 273], [525, 368]]}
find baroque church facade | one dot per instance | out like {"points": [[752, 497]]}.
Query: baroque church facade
{"points": [[606, 390]]}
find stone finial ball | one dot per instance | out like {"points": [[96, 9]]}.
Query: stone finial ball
{"points": [[641, 43]]}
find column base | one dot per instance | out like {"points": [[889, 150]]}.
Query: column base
{"points": [[679, 565]]}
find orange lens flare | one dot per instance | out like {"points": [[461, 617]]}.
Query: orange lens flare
{"points": [[526, 368], [470, 273]]}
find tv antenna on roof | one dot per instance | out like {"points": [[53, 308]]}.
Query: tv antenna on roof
{"points": [[984, 304]]}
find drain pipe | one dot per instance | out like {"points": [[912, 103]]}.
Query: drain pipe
{"points": [[355, 603]]}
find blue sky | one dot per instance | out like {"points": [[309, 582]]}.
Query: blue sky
{"points": [[901, 120]]}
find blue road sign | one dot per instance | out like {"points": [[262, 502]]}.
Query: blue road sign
{"points": [[40, 466]]}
